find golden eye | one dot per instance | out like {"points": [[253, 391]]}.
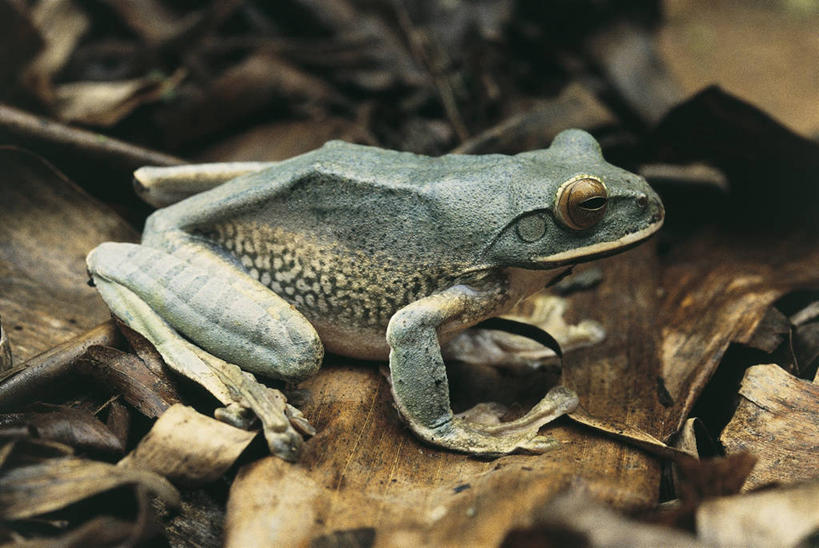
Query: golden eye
{"points": [[581, 202]]}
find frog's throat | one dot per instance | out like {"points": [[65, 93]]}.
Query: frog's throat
{"points": [[598, 250]]}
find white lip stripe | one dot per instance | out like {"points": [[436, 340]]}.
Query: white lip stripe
{"points": [[602, 247]]}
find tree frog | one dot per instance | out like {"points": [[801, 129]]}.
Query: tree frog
{"points": [[373, 254]]}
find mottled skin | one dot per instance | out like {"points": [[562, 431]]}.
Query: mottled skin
{"points": [[372, 254]]}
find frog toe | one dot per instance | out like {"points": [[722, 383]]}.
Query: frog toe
{"points": [[538, 445]]}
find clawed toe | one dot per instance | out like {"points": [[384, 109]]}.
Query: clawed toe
{"points": [[539, 444]]}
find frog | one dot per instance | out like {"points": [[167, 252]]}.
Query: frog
{"points": [[373, 254]]}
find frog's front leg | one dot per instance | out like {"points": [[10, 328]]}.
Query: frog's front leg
{"points": [[421, 390], [163, 186], [203, 318]]}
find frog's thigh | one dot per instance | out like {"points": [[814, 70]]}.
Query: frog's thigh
{"points": [[222, 311]]}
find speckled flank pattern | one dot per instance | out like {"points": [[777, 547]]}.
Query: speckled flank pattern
{"points": [[328, 281]]}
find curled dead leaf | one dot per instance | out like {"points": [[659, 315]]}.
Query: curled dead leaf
{"points": [[39, 488], [188, 447], [778, 421]]}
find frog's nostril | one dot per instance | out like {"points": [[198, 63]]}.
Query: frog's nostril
{"points": [[642, 200]]}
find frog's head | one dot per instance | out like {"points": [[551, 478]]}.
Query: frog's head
{"points": [[568, 206]]}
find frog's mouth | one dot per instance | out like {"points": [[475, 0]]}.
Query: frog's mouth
{"points": [[598, 250]]}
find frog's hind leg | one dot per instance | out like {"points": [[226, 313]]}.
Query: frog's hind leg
{"points": [[226, 318]]}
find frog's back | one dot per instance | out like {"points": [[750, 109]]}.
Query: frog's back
{"points": [[355, 238], [366, 165]]}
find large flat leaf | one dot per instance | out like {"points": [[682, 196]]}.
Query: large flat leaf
{"points": [[364, 470], [48, 226]]}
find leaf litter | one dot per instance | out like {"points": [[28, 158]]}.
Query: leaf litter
{"points": [[702, 369]]}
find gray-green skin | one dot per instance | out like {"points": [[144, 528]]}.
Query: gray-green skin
{"points": [[372, 254]]}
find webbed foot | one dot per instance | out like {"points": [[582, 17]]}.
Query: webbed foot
{"points": [[480, 432]]}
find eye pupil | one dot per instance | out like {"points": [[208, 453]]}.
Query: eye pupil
{"points": [[581, 202], [593, 203]]}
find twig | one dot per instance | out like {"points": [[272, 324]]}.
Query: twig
{"points": [[25, 129]]}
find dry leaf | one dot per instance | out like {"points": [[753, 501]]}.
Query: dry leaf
{"points": [[40, 488], [188, 447], [48, 227], [363, 457], [714, 477], [574, 518], [150, 19], [241, 91], [61, 23], [19, 43], [30, 380], [284, 139], [775, 517], [149, 393], [717, 290], [75, 427], [106, 103], [6, 361], [575, 107], [97, 161], [119, 421], [778, 421]]}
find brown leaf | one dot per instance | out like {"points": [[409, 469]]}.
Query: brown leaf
{"points": [[19, 43], [119, 421], [40, 488], [188, 447], [752, 149], [6, 361], [48, 227], [695, 439], [61, 23], [575, 107], [775, 517], [23, 449], [778, 421], [199, 521], [364, 458], [364, 51], [97, 161], [285, 139], [630, 435], [100, 531], [718, 288], [575, 519], [241, 91], [150, 19], [771, 331], [106, 103], [75, 427], [479, 346], [42, 373], [715, 477], [805, 344], [150, 394]]}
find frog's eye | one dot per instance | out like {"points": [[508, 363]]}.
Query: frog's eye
{"points": [[581, 202], [531, 227]]}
